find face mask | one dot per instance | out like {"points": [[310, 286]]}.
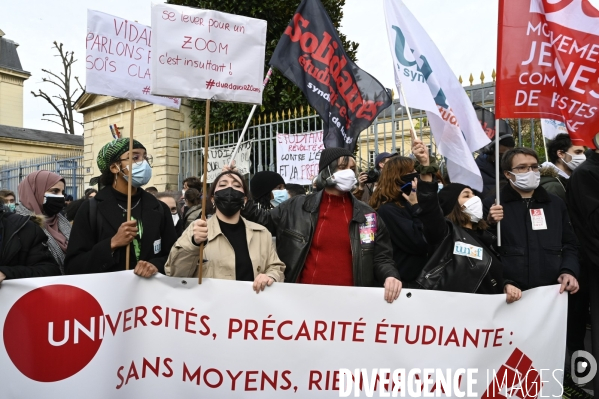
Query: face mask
{"points": [[474, 209], [280, 196], [528, 181], [141, 174], [175, 218], [345, 179], [183, 192], [440, 187], [576, 161], [11, 207], [53, 204], [409, 178], [229, 201]]}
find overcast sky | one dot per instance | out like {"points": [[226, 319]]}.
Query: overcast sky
{"points": [[464, 30]]}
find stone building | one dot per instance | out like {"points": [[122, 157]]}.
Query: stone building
{"points": [[12, 77], [157, 127]]}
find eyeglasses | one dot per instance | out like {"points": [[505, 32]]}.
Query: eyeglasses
{"points": [[524, 169], [138, 159]]}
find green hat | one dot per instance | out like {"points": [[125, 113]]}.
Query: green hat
{"points": [[111, 153]]}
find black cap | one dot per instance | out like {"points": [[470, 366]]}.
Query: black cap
{"points": [[329, 155], [264, 182], [448, 196]]}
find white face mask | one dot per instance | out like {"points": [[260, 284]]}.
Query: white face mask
{"points": [[345, 179], [528, 181], [175, 218], [474, 209], [183, 192], [576, 161]]}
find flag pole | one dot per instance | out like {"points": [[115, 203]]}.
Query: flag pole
{"points": [[544, 146], [129, 172], [497, 200], [405, 101], [204, 186], [247, 123]]}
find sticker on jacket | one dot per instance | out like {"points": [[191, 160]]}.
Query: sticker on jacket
{"points": [[537, 216], [368, 229], [471, 251], [157, 246]]}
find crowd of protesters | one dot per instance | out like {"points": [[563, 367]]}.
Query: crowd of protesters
{"points": [[398, 225]]}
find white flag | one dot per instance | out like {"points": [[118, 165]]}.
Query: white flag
{"points": [[429, 84], [552, 128]]}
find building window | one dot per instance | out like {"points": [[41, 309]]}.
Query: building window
{"points": [[371, 157]]}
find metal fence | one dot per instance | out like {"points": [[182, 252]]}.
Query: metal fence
{"points": [[390, 132], [69, 166]]}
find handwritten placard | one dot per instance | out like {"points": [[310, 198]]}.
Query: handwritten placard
{"points": [[218, 157], [117, 59], [207, 54], [298, 156]]}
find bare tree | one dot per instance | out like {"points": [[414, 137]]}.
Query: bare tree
{"points": [[62, 103]]}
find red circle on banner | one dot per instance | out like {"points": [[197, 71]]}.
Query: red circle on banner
{"points": [[53, 332]]}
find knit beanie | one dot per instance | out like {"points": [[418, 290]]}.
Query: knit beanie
{"points": [[264, 182], [329, 155], [448, 196]]}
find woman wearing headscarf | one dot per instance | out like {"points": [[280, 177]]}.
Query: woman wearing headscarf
{"points": [[101, 231], [268, 189], [236, 249], [41, 193]]}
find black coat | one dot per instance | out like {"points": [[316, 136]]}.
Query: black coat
{"points": [[583, 202], [535, 258], [294, 222], [448, 271], [89, 251], [23, 248], [407, 238]]}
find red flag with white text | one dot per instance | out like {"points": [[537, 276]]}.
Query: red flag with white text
{"points": [[548, 64]]}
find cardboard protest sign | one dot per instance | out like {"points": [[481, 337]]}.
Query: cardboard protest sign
{"points": [[164, 337], [218, 157], [207, 54], [117, 60], [298, 156]]}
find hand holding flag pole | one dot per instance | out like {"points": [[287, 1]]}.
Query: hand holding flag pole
{"points": [[247, 123]]}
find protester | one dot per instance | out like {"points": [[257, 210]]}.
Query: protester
{"points": [[193, 204], [268, 189], [564, 158], [152, 190], [364, 190], [41, 193], [400, 215], [236, 249], [23, 246], [295, 189], [68, 199], [329, 237], [72, 209], [583, 202], [10, 199], [101, 231], [538, 245], [486, 163], [90, 193], [171, 203]]}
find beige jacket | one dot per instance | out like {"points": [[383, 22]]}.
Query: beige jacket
{"points": [[219, 257]]}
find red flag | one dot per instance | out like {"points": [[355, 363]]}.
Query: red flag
{"points": [[548, 62]]}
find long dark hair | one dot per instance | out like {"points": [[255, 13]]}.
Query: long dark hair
{"points": [[459, 217], [244, 184], [389, 185]]}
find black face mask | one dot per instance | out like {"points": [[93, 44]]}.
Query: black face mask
{"points": [[53, 205], [229, 201], [409, 178]]}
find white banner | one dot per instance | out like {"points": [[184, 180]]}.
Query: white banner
{"points": [[430, 85], [115, 335], [298, 156], [552, 128], [118, 53], [207, 54], [219, 157]]}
